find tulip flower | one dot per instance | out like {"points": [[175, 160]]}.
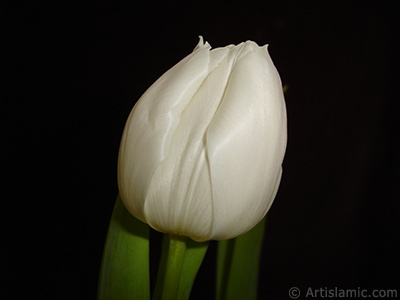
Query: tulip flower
{"points": [[202, 150]]}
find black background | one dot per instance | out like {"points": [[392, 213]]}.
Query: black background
{"points": [[73, 73]]}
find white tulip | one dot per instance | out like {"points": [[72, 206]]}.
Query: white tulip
{"points": [[202, 149]]}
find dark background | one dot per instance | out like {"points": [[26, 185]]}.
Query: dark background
{"points": [[73, 73]]}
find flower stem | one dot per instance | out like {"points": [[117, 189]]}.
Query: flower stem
{"points": [[238, 262], [176, 254]]}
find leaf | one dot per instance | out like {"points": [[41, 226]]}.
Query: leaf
{"points": [[124, 273]]}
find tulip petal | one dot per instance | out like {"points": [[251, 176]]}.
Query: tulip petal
{"points": [[147, 136], [202, 149], [246, 141], [179, 199]]}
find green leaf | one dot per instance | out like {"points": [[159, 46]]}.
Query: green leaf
{"points": [[238, 264], [124, 273]]}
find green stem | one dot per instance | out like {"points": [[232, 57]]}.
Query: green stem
{"points": [[224, 261], [176, 255], [195, 252], [161, 268], [238, 263]]}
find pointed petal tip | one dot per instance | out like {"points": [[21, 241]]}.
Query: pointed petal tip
{"points": [[201, 44], [201, 40]]}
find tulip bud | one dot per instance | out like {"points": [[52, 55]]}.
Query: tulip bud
{"points": [[202, 149]]}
